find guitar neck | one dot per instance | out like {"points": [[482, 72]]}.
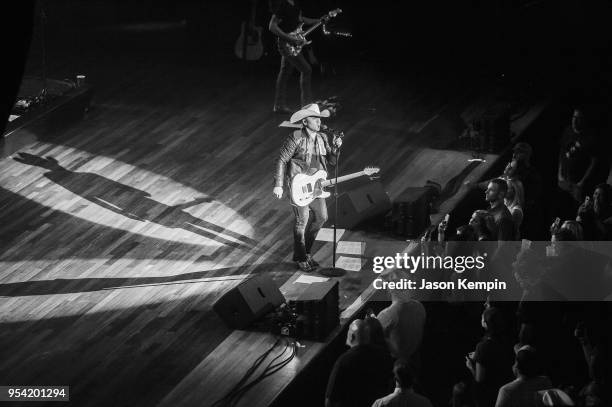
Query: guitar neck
{"points": [[312, 28], [343, 178], [253, 12]]}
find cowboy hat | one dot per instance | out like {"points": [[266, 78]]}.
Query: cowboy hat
{"points": [[311, 110]]}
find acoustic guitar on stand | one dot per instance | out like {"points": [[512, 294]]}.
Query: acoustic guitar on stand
{"points": [[294, 50], [306, 188], [248, 45]]}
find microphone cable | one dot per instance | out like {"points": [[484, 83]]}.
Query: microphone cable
{"points": [[244, 385]]}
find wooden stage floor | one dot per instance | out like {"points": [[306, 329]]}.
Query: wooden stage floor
{"points": [[117, 236]]}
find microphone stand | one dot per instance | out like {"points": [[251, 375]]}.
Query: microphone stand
{"points": [[43, 42], [334, 271]]}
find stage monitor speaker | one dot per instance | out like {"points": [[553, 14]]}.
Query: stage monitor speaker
{"points": [[410, 214], [317, 310], [248, 301], [360, 204]]}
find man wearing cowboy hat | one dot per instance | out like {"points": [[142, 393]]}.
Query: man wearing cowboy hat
{"points": [[305, 151]]}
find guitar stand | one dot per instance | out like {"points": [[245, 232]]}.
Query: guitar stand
{"points": [[334, 271]]}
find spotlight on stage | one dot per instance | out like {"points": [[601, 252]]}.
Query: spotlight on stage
{"points": [[163, 210]]}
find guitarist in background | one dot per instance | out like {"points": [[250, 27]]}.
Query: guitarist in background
{"points": [[305, 151], [286, 17]]}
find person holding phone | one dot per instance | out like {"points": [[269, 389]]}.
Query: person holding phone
{"points": [[595, 215]]}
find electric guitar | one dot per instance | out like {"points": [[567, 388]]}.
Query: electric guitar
{"points": [[248, 45], [306, 188], [294, 50]]}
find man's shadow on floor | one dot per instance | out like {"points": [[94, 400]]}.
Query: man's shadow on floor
{"points": [[134, 203]]}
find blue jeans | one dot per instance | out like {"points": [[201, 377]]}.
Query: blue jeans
{"points": [[287, 66], [306, 227]]}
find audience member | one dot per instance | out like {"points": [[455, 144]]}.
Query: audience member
{"points": [[540, 312], [490, 364], [403, 323], [595, 215], [483, 224], [595, 395], [514, 201], [522, 391], [568, 231], [527, 174], [579, 156], [573, 271], [363, 373], [465, 233], [519, 168], [528, 270], [495, 194], [575, 228], [533, 206], [595, 341], [404, 395], [562, 235]]}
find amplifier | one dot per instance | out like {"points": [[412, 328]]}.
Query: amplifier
{"points": [[317, 310], [410, 214]]}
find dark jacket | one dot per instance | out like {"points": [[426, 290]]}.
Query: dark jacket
{"points": [[504, 226], [292, 157]]}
